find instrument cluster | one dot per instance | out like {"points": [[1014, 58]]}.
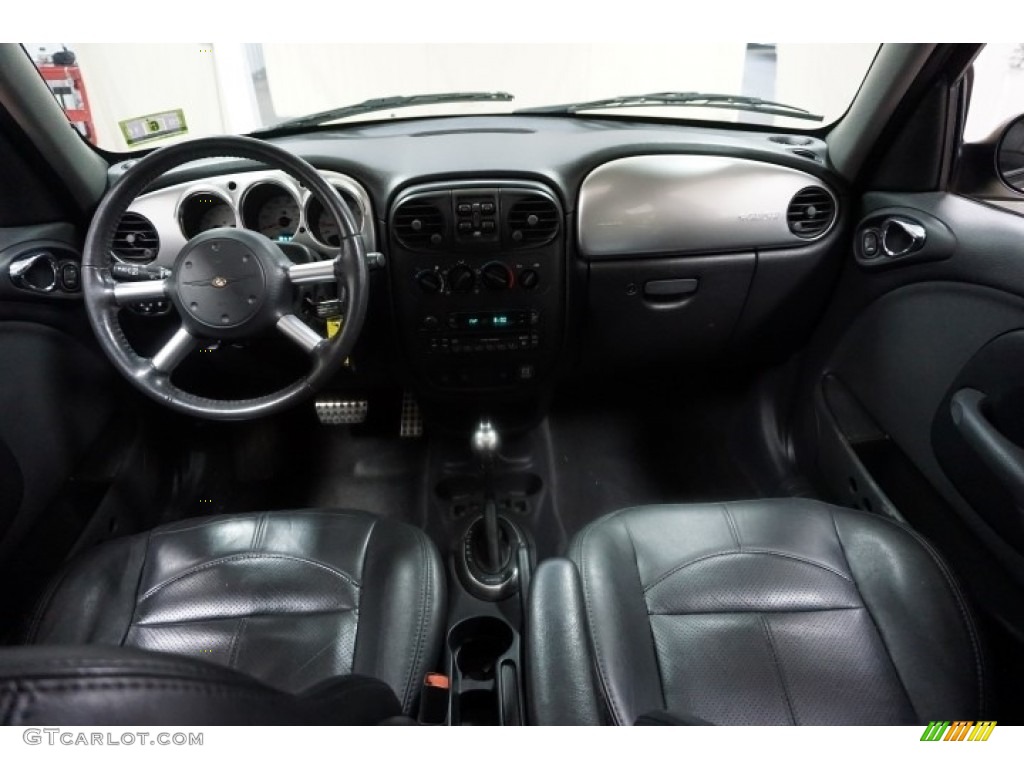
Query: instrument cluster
{"points": [[270, 202]]}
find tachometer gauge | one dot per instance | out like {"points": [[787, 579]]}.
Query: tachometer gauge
{"points": [[278, 217], [219, 215]]}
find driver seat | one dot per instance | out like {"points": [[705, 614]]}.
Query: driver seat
{"points": [[295, 599]]}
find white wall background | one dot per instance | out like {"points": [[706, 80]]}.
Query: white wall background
{"points": [[129, 80], [998, 89], [216, 93], [308, 78], [822, 78]]}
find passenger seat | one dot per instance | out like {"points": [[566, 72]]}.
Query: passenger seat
{"points": [[765, 612]]}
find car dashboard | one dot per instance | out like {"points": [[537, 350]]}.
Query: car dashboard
{"points": [[519, 250]]}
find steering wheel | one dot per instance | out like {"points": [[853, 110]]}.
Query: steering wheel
{"points": [[226, 285]]}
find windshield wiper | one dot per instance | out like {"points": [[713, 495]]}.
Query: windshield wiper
{"points": [[673, 98], [384, 103]]}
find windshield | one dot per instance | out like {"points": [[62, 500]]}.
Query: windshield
{"points": [[130, 96]]}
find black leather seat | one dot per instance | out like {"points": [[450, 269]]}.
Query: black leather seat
{"points": [[97, 685], [293, 599], [765, 612]]}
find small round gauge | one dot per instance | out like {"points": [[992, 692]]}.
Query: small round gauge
{"points": [[201, 211], [322, 224], [327, 229], [278, 217], [216, 216]]}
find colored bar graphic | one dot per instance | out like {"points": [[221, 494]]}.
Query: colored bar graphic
{"points": [[959, 730], [982, 730], [935, 730]]}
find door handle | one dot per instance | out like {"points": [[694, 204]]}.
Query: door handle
{"points": [[35, 272], [902, 236], [1002, 456]]}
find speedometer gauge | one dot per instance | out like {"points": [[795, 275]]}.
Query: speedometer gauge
{"points": [[278, 217]]}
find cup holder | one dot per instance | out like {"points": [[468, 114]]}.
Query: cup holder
{"points": [[484, 652], [484, 642]]}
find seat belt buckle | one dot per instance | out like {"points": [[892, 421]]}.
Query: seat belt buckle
{"points": [[434, 698]]}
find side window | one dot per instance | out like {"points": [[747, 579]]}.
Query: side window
{"points": [[998, 92]]}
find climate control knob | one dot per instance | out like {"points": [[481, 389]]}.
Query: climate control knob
{"points": [[461, 279], [429, 281], [497, 276]]}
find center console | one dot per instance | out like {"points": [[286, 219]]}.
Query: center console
{"points": [[478, 280], [478, 284]]}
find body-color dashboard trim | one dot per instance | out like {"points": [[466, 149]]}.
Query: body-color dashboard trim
{"points": [[675, 204]]}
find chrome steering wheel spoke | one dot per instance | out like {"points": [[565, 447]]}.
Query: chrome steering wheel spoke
{"points": [[293, 328], [314, 272], [143, 290], [230, 284], [174, 351]]}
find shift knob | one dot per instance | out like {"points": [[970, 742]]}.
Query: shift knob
{"points": [[485, 442]]}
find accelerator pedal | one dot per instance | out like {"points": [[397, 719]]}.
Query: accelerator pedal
{"points": [[411, 423]]}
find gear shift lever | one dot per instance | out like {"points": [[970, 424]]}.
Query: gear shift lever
{"points": [[485, 444]]}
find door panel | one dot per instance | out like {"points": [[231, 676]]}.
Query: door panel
{"points": [[978, 436], [59, 399], [900, 341]]}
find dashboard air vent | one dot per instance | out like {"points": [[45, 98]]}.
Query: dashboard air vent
{"points": [[419, 225], [811, 212], [135, 239], [532, 221]]}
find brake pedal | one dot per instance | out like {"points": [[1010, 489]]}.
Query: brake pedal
{"points": [[337, 412], [411, 423]]}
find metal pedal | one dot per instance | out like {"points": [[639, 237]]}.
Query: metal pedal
{"points": [[335, 412], [411, 423]]}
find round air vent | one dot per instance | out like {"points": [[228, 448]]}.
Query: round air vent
{"points": [[135, 239], [419, 225], [811, 212], [532, 221]]}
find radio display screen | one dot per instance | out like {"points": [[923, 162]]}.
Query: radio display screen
{"points": [[488, 321]]}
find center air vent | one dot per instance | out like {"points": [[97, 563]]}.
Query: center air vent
{"points": [[136, 239], [811, 212], [419, 225], [532, 221]]}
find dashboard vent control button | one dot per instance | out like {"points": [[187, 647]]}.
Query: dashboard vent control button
{"points": [[135, 239], [811, 213]]}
